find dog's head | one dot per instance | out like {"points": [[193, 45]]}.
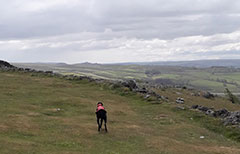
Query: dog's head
{"points": [[99, 104]]}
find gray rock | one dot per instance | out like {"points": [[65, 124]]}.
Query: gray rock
{"points": [[203, 108], [210, 112], [221, 113], [194, 106], [180, 100], [195, 94], [208, 95], [181, 107], [147, 96], [131, 84], [233, 118], [143, 90], [229, 118]]}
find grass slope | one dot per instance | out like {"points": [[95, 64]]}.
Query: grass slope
{"points": [[30, 121], [213, 79]]}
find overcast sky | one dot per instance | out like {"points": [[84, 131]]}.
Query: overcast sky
{"points": [[109, 31]]}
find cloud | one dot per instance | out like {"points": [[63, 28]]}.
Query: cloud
{"points": [[107, 30], [143, 19], [74, 48]]}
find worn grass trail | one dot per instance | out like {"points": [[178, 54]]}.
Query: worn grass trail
{"points": [[46, 115]]}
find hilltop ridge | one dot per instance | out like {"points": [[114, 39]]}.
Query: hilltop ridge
{"points": [[192, 63]]}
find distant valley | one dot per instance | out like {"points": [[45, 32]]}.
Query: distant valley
{"points": [[210, 75]]}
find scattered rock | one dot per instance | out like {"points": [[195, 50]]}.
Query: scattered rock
{"points": [[203, 108], [194, 106], [233, 118], [180, 100], [221, 113], [181, 107], [195, 94], [164, 98], [210, 112], [208, 95], [131, 84], [143, 90], [229, 118], [147, 96], [202, 137]]}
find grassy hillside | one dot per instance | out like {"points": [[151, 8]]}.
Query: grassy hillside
{"points": [[47, 115], [213, 79]]}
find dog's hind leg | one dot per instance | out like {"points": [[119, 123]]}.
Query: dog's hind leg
{"points": [[105, 124], [99, 127]]}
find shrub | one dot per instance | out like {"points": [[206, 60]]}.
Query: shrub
{"points": [[234, 99]]}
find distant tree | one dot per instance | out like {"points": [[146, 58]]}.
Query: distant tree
{"points": [[234, 99]]}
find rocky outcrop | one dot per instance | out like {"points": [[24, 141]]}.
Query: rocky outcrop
{"points": [[5, 65], [131, 84], [228, 118], [233, 118], [208, 95], [223, 113]]}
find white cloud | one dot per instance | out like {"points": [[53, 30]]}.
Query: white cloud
{"points": [[112, 31], [73, 48]]}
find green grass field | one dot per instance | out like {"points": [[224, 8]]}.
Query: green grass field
{"points": [[47, 115]]}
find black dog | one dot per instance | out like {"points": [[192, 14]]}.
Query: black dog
{"points": [[101, 114]]}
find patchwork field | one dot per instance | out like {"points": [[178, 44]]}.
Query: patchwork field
{"points": [[48, 115]]}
